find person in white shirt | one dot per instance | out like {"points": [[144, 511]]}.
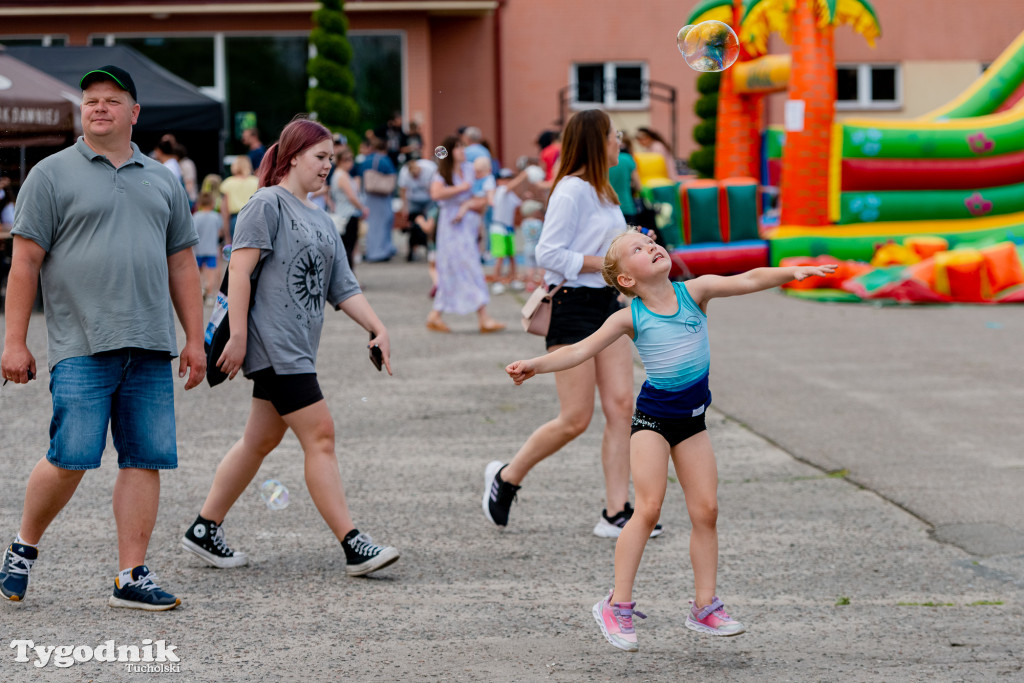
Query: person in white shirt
{"points": [[414, 180], [167, 154], [582, 218]]}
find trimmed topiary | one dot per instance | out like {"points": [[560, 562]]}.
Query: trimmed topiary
{"points": [[329, 97], [706, 107]]}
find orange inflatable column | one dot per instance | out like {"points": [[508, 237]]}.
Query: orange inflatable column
{"points": [[804, 191], [737, 138]]}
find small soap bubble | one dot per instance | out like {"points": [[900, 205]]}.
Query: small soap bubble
{"points": [[274, 494], [440, 152], [535, 174], [227, 252], [364, 399], [708, 46]]}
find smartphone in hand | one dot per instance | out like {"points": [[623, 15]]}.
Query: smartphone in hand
{"points": [[376, 356]]}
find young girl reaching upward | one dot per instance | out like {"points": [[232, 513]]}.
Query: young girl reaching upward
{"points": [[668, 324]]}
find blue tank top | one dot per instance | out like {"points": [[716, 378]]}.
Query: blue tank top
{"points": [[676, 354]]}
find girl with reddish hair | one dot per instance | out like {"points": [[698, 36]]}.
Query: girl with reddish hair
{"points": [[274, 338]]}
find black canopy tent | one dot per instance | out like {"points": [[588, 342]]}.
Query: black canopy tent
{"points": [[169, 104]]}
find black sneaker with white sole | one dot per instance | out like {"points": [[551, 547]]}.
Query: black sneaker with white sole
{"points": [[498, 494], [205, 540], [611, 527], [363, 556]]}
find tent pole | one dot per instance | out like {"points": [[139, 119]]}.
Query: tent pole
{"points": [[23, 164]]}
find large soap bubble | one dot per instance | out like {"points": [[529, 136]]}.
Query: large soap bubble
{"points": [[708, 46]]}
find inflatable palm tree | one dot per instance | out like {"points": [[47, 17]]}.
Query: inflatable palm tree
{"points": [[807, 25]]}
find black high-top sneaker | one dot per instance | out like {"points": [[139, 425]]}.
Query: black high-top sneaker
{"points": [[205, 540]]}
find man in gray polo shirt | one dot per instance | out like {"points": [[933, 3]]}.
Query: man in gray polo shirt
{"points": [[109, 232]]}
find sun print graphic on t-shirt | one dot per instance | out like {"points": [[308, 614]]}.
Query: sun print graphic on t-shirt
{"points": [[306, 280]]}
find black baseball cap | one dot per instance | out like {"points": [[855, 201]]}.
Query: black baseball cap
{"points": [[111, 73]]}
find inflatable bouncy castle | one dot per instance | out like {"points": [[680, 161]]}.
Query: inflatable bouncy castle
{"points": [[879, 194]]}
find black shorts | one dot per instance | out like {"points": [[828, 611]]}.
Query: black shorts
{"points": [[287, 393], [674, 429], [577, 313]]}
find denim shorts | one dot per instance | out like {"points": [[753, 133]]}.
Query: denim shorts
{"points": [[132, 391]]}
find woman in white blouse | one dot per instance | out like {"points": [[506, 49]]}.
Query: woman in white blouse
{"points": [[582, 217]]}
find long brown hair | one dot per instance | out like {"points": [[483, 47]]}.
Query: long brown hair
{"points": [[584, 146], [652, 134], [446, 166], [296, 137]]}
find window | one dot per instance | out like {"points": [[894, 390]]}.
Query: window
{"points": [[45, 41], [868, 86], [377, 67], [619, 85], [189, 57]]}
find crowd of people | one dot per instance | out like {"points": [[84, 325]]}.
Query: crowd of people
{"points": [[572, 208]]}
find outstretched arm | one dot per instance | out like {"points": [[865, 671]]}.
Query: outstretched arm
{"points": [[617, 324], [708, 287]]}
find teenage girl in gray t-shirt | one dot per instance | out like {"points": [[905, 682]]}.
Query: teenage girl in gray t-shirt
{"points": [[274, 343]]}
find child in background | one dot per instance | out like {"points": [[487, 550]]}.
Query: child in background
{"points": [[427, 222], [667, 322], [532, 213], [208, 224], [211, 184], [508, 196], [483, 188]]}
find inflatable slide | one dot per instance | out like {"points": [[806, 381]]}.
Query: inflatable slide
{"points": [[956, 173]]}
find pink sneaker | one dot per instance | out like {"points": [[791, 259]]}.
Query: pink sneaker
{"points": [[616, 622], [713, 620]]}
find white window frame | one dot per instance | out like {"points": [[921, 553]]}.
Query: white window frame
{"points": [[610, 101], [864, 100]]}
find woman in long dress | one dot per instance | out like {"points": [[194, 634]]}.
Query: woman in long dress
{"points": [[461, 288]]}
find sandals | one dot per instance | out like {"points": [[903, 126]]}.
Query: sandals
{"points": [[487, 328], [492, 326], [437, 326]]}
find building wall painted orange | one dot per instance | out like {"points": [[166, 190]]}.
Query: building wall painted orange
{"points": [[936, 29], [450, 60], [462, 76], [963, 31], [542, 39]]}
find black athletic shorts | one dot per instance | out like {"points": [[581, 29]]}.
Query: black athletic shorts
{"points": [[674, 429], [287, 393], [577, 313]]}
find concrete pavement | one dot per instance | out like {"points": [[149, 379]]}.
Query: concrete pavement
{"points": [[838, 578]]}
